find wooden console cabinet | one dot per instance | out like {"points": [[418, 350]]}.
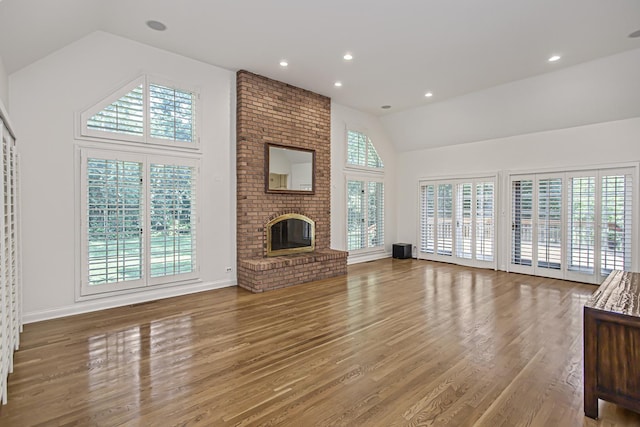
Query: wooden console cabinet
{"points": [[612, 344]]}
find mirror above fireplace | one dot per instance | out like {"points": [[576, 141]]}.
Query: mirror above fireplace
{"points": [[289, 169]]}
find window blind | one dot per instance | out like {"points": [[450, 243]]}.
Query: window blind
{"points": [[581, 223], [464, 212], [356, 148], [522, 222], [445, 217], [114, 212], [616, 223], [361, 151], [427, 218], [126, 115], [375, 215], [10, 262], [171, 113], [365, 214], [355, 215], [549, 223], [145, 111], [172, 217], [485, 226]]}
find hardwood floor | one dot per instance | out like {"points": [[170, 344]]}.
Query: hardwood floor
{"points": [[396, 342]]}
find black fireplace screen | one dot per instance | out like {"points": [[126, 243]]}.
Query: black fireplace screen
{"points": [[290, 233]]}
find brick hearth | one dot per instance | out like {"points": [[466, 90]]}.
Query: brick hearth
{"points": [[274, 112]]}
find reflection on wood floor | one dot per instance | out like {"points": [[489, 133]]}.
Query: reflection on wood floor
{"points": [[396, 342]]}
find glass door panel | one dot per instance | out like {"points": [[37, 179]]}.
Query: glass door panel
{"points": [[445, 219], [549, 223], [615, 246], [484, 221], [427, 218], [522, 222], [464, 235], [581, 223]]}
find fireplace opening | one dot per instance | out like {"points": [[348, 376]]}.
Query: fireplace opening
{"points": [[290, 233]]}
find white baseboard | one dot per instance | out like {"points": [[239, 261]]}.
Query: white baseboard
{"points": [[121, 300], [358, 258]]}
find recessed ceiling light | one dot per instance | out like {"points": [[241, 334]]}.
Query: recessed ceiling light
{"points": [[348, 57], [337, 84], [554, 58], [156, 25], [386, 107], [428, 94], [635, 34], [284, 63]]}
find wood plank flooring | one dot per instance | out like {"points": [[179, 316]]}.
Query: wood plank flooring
{"points": [[394, 343]]}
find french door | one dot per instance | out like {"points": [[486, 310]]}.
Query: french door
{"points": [[537, 225], [457, 221], [574, 225]]}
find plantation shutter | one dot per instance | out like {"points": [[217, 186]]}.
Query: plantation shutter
{"points": [[114, 211], [361, 152], [522, 222], [126, 115], [147, 112], [365, 214], [356, 148], [171, 113], [373, 159], [445, 218], [464, 213], [616, 222], [375, 214], [10, 249], [581, 224], [485, 222], [549, 223], [355, 215], [172, 219], [427, 218]]}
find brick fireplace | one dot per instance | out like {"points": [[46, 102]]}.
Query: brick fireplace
{"points": [[274, 112]]}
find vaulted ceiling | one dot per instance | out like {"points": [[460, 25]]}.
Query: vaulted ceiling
{"points": [[401, 49]]}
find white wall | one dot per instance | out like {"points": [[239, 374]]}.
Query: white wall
{"points": [[342, 118], [46, 97], [4, 85], [602, 90], [591, 145]]}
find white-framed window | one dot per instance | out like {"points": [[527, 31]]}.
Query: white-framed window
{"points": [[365, 194], [361, 152], [145, 110], [139, 220], [365, 214]]}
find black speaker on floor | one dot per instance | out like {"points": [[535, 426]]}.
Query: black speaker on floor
{"points": [[402, 250]]}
